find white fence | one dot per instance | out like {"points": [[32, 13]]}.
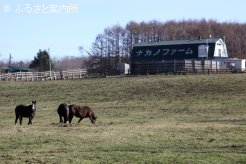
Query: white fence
{"points": [[49, 75]]}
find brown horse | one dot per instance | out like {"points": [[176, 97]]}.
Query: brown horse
{"points": [[81, 112], [63, 112], [25, 111]]}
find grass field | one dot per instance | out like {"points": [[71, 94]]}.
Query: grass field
{"points": [[147, 119]]}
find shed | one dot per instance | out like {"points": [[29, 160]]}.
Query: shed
{"points": [[7, 69], [236, 64], [123, 68]]}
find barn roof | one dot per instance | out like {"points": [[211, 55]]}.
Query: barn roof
{"points": [[178, 42]]}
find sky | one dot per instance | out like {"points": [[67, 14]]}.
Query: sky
{"points": [[62, 26]]}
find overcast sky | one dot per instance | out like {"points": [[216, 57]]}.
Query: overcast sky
{"points": [[62, 25]]}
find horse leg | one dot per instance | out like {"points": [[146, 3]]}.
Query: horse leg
{"points": [[30, 120], [80, 119], [61, 119], [16, 118], [65, 119], [20, 118], [70, 118]]}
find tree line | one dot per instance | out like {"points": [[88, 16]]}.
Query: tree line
{"points": [[115, 43], [43, 62]]}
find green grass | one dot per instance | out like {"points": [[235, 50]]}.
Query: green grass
{"points": [[148, 119]]}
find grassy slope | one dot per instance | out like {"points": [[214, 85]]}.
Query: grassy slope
{"points": [[172, 119]]}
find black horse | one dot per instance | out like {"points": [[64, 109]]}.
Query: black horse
{"points": [[25, 111], [81, 112], [63, 112]]}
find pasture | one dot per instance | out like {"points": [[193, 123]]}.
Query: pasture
{"points": [[147, 119]]}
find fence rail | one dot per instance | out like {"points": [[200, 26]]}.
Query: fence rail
{"points": [[42, 76]]}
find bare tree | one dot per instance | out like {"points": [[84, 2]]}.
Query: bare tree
{"points": [[69, 63]]}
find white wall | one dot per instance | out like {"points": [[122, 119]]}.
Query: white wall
{"points": [[220, 46]]}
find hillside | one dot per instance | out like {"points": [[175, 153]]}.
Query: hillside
{"points": [[170, 119]]}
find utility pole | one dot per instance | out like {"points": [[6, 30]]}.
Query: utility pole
{"points": [[10, 57], [50, 63]]}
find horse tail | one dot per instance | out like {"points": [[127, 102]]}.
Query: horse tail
{"points": [[18, 109], [63, 111], [66, 112]]}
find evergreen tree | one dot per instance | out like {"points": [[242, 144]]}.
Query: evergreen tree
{"points": [[42, 61]]}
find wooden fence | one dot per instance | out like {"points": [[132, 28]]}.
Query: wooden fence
{"points": [[175, 67], [42, 76]]}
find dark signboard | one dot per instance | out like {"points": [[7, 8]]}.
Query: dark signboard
{"points": [[168, 52]]}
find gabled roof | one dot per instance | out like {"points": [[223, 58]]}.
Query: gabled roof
{"points": [[178, 42]]}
